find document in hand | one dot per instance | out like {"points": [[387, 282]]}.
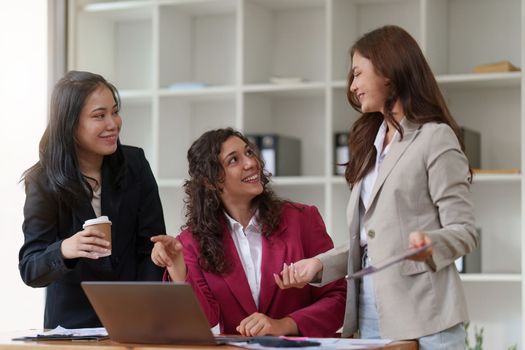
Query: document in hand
{"points": [[389, 262]]}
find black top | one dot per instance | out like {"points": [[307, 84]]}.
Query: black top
{"points": [[135, 211]]}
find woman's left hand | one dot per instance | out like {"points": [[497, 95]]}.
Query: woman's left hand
{"points": [[258, 324], [418, 239]]}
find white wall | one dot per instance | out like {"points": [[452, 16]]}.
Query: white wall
{"points": [[23, 104]]}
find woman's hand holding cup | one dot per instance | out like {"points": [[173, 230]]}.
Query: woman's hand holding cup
{"points": [[93, 242]]}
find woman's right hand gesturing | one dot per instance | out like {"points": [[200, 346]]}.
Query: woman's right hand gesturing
{"points": [[298, 274], [85, 244], [167, 252]]}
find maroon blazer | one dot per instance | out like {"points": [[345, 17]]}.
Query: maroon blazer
{"points": [[227, 299]]}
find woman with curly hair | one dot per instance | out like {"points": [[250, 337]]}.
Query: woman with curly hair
{"points": [[237, 237]]}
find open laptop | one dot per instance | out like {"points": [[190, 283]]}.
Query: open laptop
{"points": [[149, 312]]}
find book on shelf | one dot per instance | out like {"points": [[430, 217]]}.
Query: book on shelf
{"points": [[497, 67], [496, 171], [341, 152], [281, 154]]}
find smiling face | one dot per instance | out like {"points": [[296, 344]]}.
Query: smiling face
{"points": [[370, 88], [242, 173], [98, 125]]}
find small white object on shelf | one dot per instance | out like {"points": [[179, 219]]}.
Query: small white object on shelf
{"points": [[191, 85], [281, 80]]}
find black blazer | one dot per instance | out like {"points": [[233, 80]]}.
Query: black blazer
{"points": [[136, 214]]}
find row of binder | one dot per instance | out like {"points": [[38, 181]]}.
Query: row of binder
{"points": [[282, 154]]}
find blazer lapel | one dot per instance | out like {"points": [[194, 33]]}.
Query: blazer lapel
{"points": [[273, 255], [352, 209], [236, 278], [396, 151], [110, 203], [85, 212]]}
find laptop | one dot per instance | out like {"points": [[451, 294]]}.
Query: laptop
{"points": [[149, 312]]}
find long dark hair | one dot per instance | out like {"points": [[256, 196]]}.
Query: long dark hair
{"points": [[204, 208], [396, 56], [58, 160]]}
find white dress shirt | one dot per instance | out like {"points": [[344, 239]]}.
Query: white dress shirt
{"points": [[370, 179], [249, 247]]}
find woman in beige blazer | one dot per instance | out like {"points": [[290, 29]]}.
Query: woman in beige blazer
{"points": [[409, 181]]}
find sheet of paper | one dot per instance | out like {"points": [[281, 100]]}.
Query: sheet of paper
{"points": [[76, 332], [326, 343], [388, 262]]}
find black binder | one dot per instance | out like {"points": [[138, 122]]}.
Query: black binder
{"points": [[281, 154], [341, 152]]}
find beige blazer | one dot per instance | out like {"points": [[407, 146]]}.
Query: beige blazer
{"points": [[422, 185]]}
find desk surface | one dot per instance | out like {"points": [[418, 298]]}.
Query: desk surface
{"points": [[7, 344]]}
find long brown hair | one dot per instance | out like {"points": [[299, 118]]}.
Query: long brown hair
{"points": [[203, 205], [396, 56]]}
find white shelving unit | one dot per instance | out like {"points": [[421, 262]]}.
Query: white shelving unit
{"points": [[185, 66]]}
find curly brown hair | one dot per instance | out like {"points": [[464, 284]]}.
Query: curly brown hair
{"points": [[204, 208]]}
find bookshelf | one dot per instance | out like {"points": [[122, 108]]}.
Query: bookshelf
{"points": [[184, 66]]}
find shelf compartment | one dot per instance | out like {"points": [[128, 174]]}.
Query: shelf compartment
{"points": [[105, 41], [194, 39], [338, 224], [351, 19], [284, 39], [181, 122], [497, 209], [343, 117], [460, 30], [307, 194], [495, 114], [173, 206], [137, 126], [282, 114], [497, 308]]}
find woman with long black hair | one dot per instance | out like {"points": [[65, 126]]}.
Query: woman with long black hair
{"points": [[83, 173]]}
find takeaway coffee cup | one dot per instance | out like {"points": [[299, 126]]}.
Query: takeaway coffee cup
{"points": [[102, 224]]}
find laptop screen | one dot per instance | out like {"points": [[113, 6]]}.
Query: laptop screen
{"points": [[149, 312]]}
